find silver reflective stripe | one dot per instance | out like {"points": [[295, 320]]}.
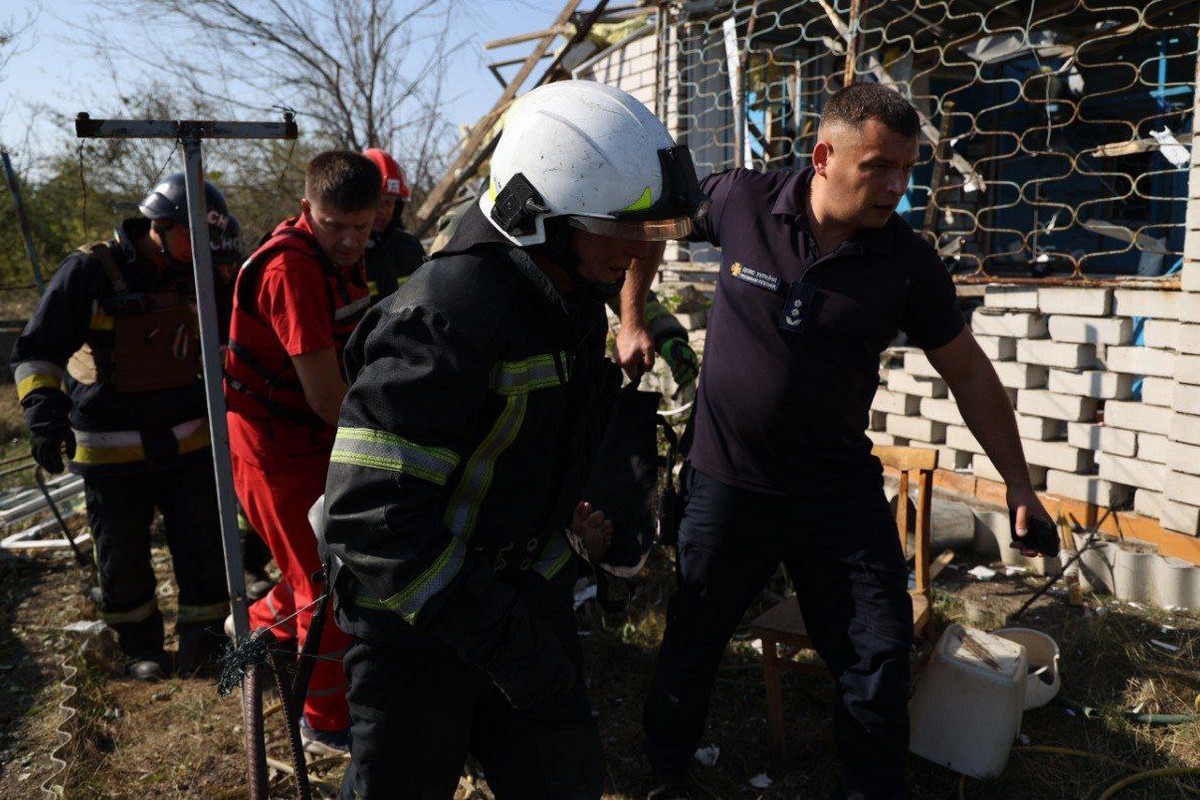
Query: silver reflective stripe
{"points": [[29, 368], [350, 309], [134, 438], [365, 447], [554, 557], [139, 614], [526, 375]]}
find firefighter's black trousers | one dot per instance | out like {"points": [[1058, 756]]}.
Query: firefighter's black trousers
{"points": [[120, 510], [417, 711]]}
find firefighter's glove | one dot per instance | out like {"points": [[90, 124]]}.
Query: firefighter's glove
{"points": [[47, 450], [681, 358], [530, 665]]}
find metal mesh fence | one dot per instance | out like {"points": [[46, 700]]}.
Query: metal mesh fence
{"points": [[1064, 127]]}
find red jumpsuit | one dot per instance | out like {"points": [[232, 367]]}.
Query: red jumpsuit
{"points": [[290, 300]]}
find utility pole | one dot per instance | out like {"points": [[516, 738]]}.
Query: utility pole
{"points": [[191, 133]]}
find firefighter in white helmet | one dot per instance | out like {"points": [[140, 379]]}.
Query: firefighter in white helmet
{"points": [[462, 447]]}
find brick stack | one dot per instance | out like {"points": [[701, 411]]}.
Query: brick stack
{"points": [[1180, 505], [1066, 356]]}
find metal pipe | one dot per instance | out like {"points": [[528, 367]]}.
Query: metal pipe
{"points": [[210, 351], [1166, 283], [22, 221]]}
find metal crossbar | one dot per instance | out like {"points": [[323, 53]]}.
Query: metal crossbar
{"points": [[1065, 127]]}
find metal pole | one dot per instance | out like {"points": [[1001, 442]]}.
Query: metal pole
{"points": [[210, 350], [22, 222]]}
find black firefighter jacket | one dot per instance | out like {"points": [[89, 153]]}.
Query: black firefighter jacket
{"points": [[476, 399]]}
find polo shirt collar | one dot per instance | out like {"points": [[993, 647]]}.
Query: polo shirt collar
{"points": [[790, 202]]}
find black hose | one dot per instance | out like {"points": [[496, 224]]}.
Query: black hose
{"points": [[40, 477]]}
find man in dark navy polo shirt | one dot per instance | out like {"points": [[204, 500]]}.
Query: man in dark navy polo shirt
{"points": [[818, 274]]}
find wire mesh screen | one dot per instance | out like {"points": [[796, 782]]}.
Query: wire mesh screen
{"points": [[1056, 135]]}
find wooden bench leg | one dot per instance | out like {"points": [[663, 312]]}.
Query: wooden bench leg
{"points": [[771, 677]]}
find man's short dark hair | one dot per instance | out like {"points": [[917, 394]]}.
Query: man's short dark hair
{"points": [[343, 180], [859, 102]]}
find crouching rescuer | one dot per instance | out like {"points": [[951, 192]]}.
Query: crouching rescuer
{"points": [[463, 446]]}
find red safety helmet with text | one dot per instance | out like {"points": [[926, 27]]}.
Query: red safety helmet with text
{"points": [[394, 184]]}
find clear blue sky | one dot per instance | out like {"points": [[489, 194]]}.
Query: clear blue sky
{"points": [[62, 77]]}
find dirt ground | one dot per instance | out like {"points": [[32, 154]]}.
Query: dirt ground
{"points": [[70, 723]]}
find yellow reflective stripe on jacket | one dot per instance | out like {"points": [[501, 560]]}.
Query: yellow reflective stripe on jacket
{"points": [[527, 375], [554, 557], [208, 613], [366, 447], [462, 513], [33, 375], [139, 614], [122, 447]]}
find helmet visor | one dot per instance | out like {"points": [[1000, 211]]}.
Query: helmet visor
{"points": [[657, 230]]}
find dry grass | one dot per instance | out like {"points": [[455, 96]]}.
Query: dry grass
{"points": [[179, 739]]}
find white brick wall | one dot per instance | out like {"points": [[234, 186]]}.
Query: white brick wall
{"points": [[1041, 403], [1091, 383], [1056, 354], [1102, 438], [1018, 325], [1092, 302], [1132, 416], [1156, 303], [1090, 330], [1141, 361]]}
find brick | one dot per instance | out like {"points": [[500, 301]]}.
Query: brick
{"points": [[1189, 338], [1057, 455], [1135, 416], [1015, 375], [1180, 517], [881, 439], [895, 403], [1018, 325], [983, 467], [1186, 399], [1091, 330], [1155, 303], [1191, 275], [1153, 447], [998, 348], [948, 457], [1187, 370], [1041, 429], [1190, 310], [1148, 503], [1101, 438], [1056, 354], [961, 438], [1158, 391], [1161, 333], [1091, 383], [900, 381], [1131, 471], [1091, 302], [922, 430], [1021, 298], [1141, 361], [1183, 457], [941, 410], [1185, 428], [1087, 488], [1181, 487], [1041, 403], [917, 364]]}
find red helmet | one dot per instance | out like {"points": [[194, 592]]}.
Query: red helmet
{"points": [[394, 184]]}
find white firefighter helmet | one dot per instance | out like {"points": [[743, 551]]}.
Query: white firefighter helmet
{"points": [[595, 155]]}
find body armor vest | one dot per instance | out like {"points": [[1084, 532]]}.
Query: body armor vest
{"points": [[139, 341]]}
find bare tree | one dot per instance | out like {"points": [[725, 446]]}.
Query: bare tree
{"points": [[365, 73]]}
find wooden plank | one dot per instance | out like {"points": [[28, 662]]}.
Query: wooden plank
{"points": [[557, 30], [426, 214], [906, 458]]}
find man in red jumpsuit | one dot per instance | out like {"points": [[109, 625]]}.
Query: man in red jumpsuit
{"points": [[296, 302]]}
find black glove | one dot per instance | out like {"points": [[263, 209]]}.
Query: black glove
{"points": [[47, 450], [529, 665]]}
